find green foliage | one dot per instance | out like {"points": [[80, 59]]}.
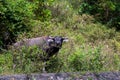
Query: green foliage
{"points": [[117, 61], [42, 12], [15, 17], [60, 10], [19, 16], [27, 60], [6, 62], [75, 4], [106, 12], [86, 59], [92, 46], [54, 65]]}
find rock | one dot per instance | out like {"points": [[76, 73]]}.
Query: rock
{"points": [[64, 76]]}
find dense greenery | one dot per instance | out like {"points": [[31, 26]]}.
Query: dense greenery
{"points": [[18, 16], [92, 27], [105, 11], [15, 18]]}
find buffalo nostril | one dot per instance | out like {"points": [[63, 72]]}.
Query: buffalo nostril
{"points": [[58, 44]]}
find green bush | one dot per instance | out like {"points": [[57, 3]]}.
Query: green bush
{"points": [[92, 46], [42, 12], [15, 17], [27, 60], [106, 12], [55, 64], [61, 10], [86, 59], [6, 62], [19, 16], [116, 61]]}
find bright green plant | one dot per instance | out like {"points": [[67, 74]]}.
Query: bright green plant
{"points": [[86, 59], [55, 64], [30, 59], [19, 16], [6, 62], [42, 12], [15, 17], [27, 59]]}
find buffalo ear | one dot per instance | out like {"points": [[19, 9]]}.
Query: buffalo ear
{"points": [[50, 39], [65, 39]]}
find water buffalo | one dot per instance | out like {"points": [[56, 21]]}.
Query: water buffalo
{"points": [[49, 45]]}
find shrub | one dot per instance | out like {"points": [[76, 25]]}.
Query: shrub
{"points": [[54, 65], [15, 17], [42, 12], [103, 11], [86, 59], [60, 10], [6, 62], [27, 60]]}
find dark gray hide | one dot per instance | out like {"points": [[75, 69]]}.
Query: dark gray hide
{"points": [[49, 45]]}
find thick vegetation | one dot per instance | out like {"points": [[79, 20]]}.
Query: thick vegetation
{"points": [[91, 26]]}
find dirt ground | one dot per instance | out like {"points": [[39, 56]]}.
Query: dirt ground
{"points": [[64, 76]]}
